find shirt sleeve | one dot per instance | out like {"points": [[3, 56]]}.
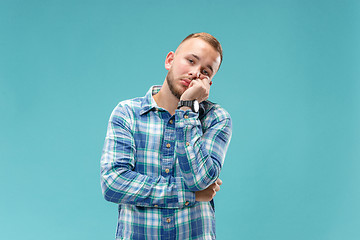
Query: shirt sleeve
{"points": [[120, 184], [201, 154]]}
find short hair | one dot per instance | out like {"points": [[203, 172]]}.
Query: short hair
{"points": [[209, 39]]}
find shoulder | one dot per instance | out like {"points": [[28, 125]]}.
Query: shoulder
{"points": [[132, 105], [213, 114], [213, 111], [127, 110]]}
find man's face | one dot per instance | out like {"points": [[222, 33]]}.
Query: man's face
{"points": [[193, 59]]}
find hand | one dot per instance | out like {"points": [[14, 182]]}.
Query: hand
{"points": [[199, 89], [209, 193]]}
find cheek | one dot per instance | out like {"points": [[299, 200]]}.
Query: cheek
{"points": [[184, 67], [179, 70], [181, 67]]}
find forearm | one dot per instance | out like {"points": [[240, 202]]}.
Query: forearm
{"points": [[122, 185], [201, 155]]}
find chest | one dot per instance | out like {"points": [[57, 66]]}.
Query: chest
{"points": [[155, 141]]}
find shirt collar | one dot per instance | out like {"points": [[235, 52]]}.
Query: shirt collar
{"points": [[148, 102]]}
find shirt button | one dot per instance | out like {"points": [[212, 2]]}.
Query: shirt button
{"points": [[168, 145], [187, 144], [186, 116], [167, 170], [168, 220], [187, 203], [171, 121]]}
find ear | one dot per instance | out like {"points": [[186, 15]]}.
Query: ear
{"points": [[169, 60]]}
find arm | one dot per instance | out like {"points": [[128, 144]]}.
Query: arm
{"points": [[120, 184], [201, 155], [209, 193]]}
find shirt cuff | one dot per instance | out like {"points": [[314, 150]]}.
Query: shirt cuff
{"points": [[188, 117], [185, 196]]}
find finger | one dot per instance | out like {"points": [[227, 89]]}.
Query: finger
{"points": [[206, 80], [192, 83], [209, 81], [196, 81], [218, 181], [217, 188], [213, 195]]}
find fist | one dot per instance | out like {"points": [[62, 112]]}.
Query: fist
{"points": [[198, 89], [209, 193]]}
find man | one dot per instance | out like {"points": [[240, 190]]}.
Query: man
{"points": [[163, 152]]}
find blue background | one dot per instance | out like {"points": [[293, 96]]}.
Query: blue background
{"points": [[290, 79]]}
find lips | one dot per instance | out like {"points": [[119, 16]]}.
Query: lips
{"points": [[185, 82]]}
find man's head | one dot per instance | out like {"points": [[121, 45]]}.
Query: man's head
{"points": [[198, 56], [210, 39]]}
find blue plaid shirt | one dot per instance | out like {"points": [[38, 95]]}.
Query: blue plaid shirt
{"points": [[153, 163]]}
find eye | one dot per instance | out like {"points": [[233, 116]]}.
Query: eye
{"points": [[191, 61], [205, 72]]}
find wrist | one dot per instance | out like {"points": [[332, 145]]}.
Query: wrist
{"points": [[189, 104], [186, 98], [184, 108]]}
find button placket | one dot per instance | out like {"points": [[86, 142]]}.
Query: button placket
{"points": [[168, 147]]}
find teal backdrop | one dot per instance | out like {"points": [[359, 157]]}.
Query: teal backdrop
{"points": [[290, 79]]}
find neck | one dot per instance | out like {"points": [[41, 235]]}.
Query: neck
{"points": [[165, 99]]}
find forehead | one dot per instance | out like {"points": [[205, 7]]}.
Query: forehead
{"points": [[200, 48]]}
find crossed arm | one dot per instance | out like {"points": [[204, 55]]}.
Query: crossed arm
{"points": [[200, 155]]}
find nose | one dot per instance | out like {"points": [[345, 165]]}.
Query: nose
{"points": [[195, 73]]}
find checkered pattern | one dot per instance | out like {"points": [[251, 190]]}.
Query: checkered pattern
{"points": [[152, 163]]}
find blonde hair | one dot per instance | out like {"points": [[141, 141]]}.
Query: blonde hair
{"points": [[209, 39]]}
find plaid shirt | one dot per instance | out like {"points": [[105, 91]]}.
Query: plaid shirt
{"points": [[153, 163]]}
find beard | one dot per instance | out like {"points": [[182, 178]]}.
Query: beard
{"points": [[171, 83]]}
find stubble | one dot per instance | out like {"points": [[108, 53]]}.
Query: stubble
{"points": [[170, 82]]}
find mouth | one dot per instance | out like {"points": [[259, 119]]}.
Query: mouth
{"points": [[186, 82]]}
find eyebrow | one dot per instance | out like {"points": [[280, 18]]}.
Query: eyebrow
{"points": [[197, 57]]}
